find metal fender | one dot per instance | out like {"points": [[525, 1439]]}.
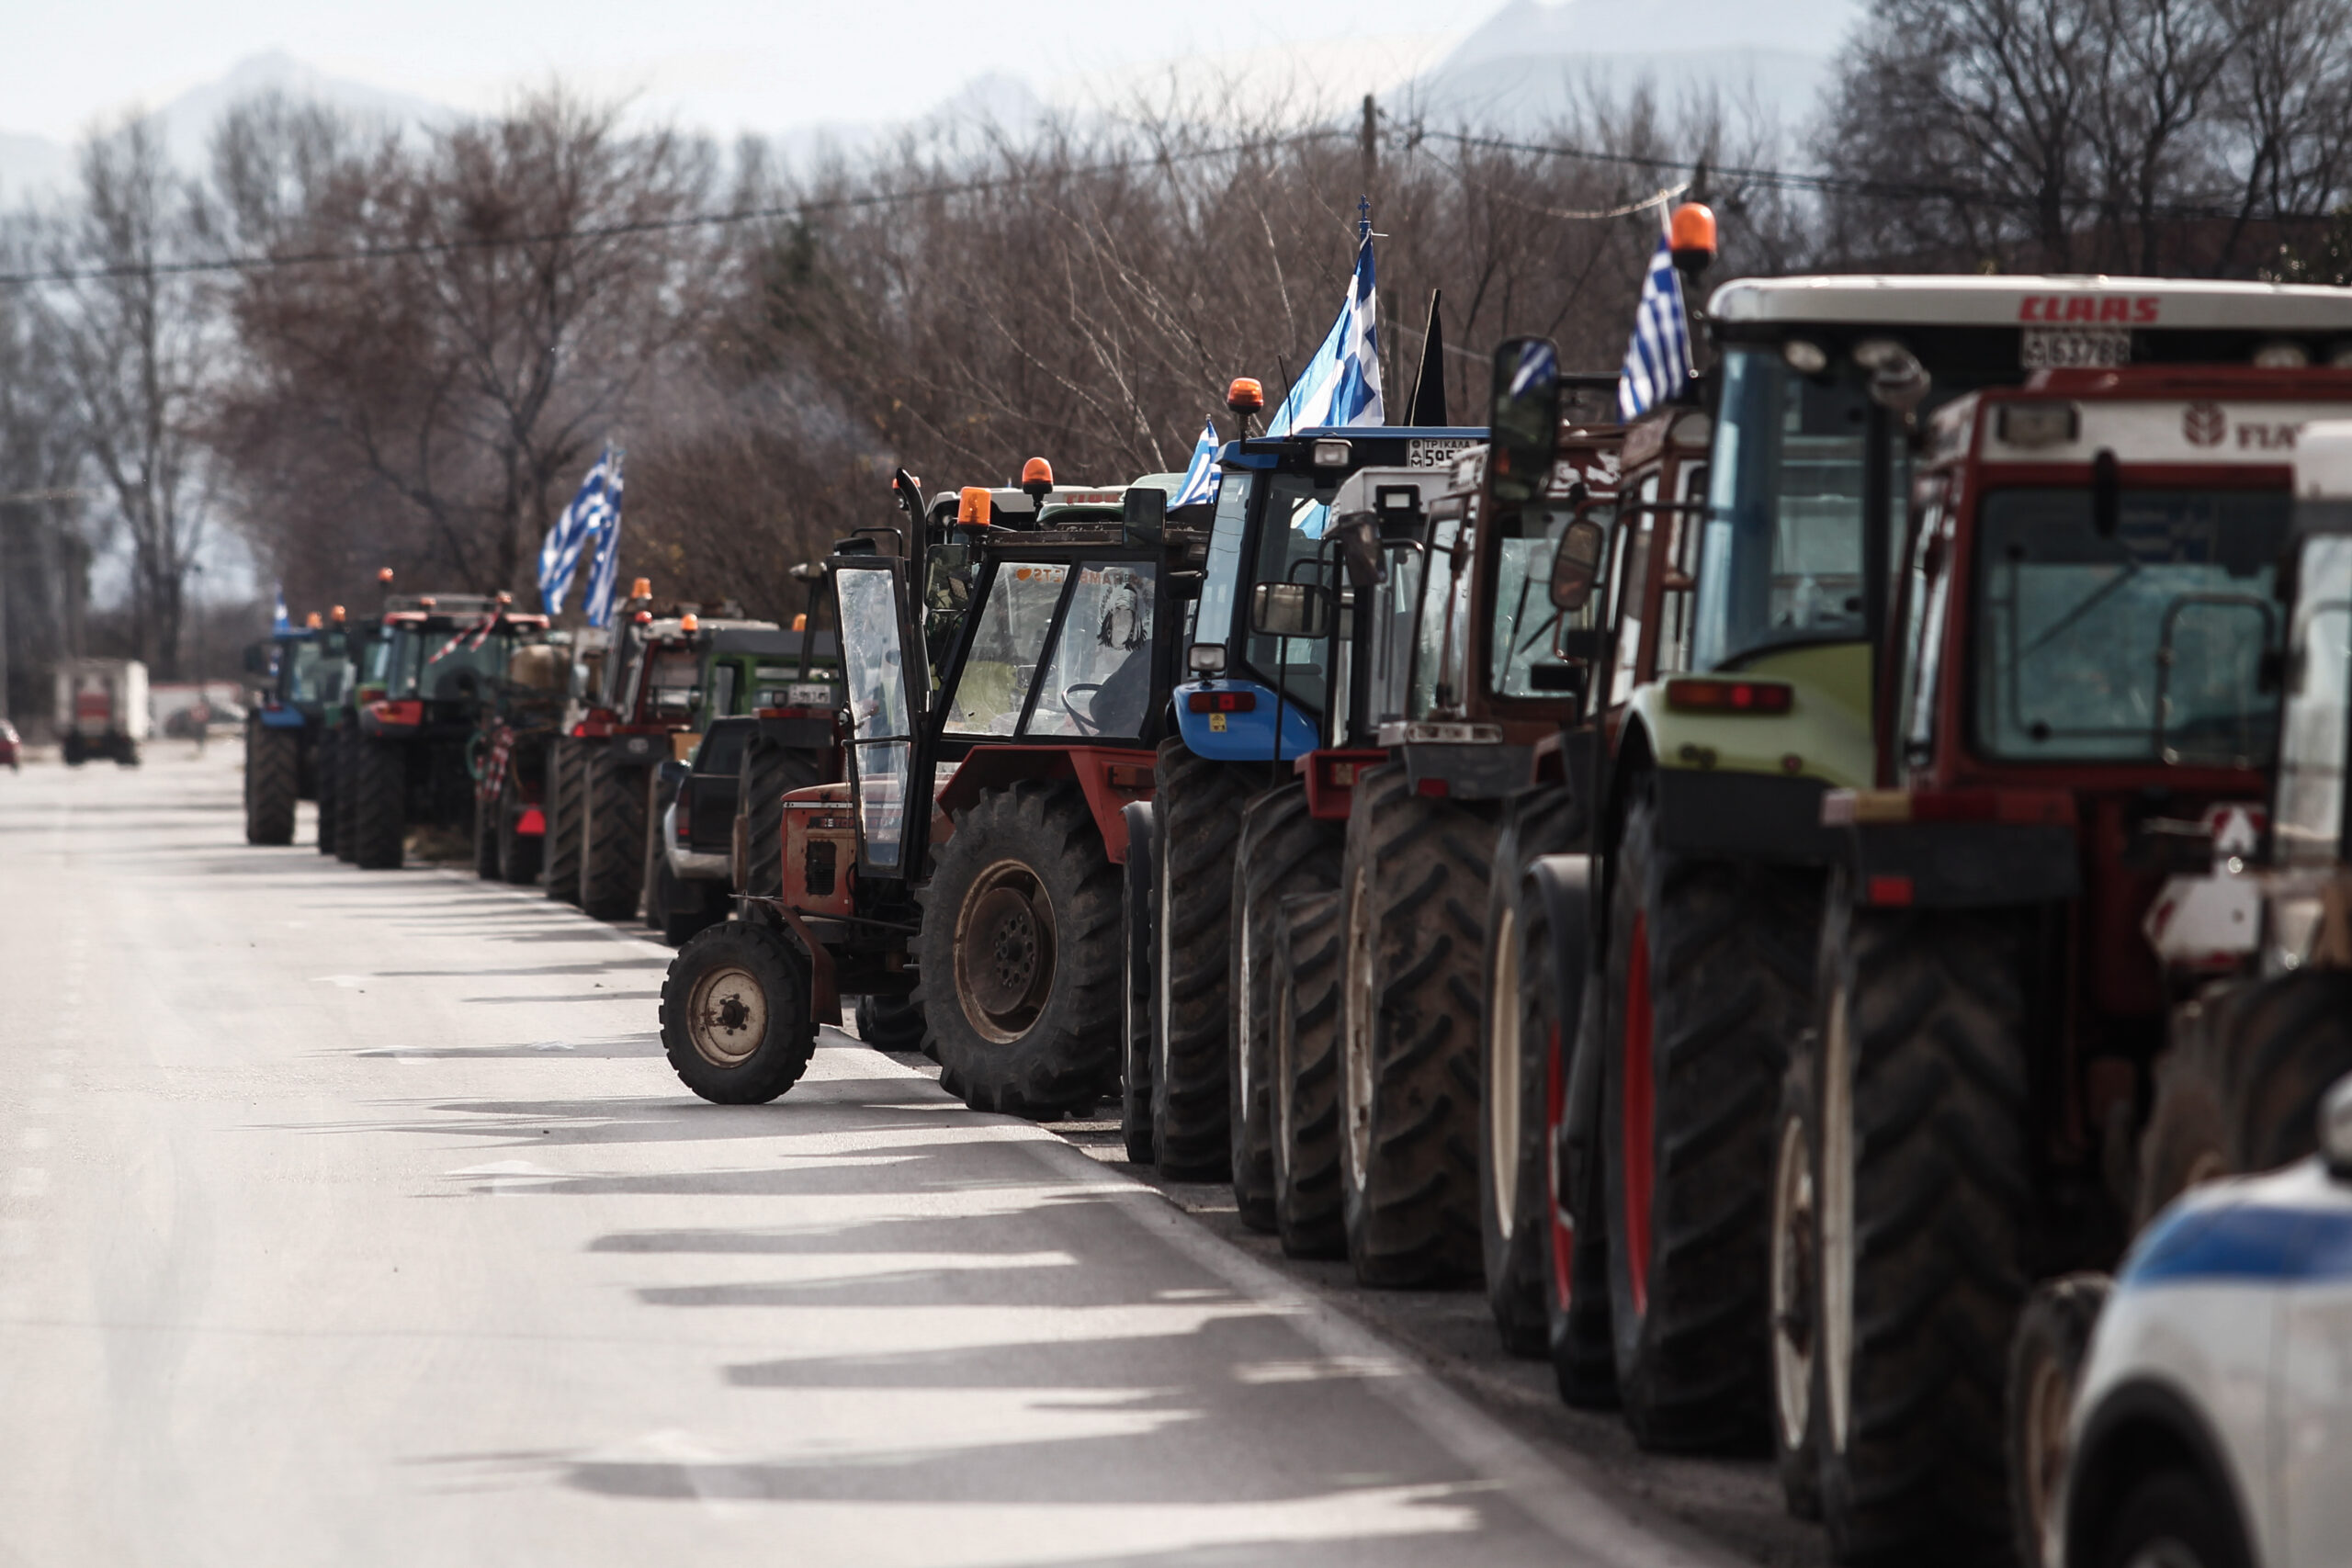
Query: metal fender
{"points": [[1564, 883], [1225, 736], [1825, 736]]}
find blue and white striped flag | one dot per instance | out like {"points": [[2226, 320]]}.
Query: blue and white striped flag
{"points": [[1658, 361], [279, 623], [1342, 383], [599, 500], [606, 568], [1202, 475]]}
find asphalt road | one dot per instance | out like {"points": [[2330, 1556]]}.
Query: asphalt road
{"points": [[355, 1218]]}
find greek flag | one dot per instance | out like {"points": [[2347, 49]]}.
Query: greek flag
{"points": [[606, 565], [1658, 361], [1342, 383], [1201, 474], [599, 501], [279, 624]]}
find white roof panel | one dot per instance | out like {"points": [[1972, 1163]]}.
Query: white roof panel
{"points": [[2030, 300]]}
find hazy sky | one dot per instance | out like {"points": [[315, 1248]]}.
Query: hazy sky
{"points": [[724, 64]]}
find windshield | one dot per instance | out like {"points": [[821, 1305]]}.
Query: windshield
{"points": [[671, 676], [311, 674], [2309, 822], [1525, 621], [1290, 541], [2145, 646], [1221, 581], [1100, 679], [1006, 645], [443, 663]]}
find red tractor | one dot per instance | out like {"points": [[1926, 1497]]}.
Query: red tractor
{"points": [[970, 856]]}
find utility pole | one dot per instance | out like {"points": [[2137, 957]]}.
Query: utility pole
{"points": [[1370, 143]]}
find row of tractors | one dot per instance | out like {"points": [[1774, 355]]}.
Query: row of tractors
{"points": [[1780, 889]]}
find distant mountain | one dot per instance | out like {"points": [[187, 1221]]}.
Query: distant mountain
{"points": [[1529, 62], [31, 166]]}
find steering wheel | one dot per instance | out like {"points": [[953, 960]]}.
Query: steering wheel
{"points": [[1085, 721]]}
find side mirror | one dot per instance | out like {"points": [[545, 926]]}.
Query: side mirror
{"points": [[1143, 513], [1523, 417], [1575, 565], [2106, 494], [1290, 609]]}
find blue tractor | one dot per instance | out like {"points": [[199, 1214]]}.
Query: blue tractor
{"points": [[299, 674]]}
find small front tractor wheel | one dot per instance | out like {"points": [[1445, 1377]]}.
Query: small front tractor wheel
{"points": [[560, 853], [612, 839], [1142, 943], [735, 1016], [518, 852], [379, 815], [486, 814], [1283, 852], [1018, 952], [1512, 1016], [1792, 1299], [1196, 802], [273, 782], [346, 794], [2046, 1357], [1413, 893]]}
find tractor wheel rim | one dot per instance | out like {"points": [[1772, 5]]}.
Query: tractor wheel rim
{"points": [[1005, 950], [1503, 1111], [1356, 1009], [726, 1016], [2049, 1400], [1792, 1284], [1834, 1198]]}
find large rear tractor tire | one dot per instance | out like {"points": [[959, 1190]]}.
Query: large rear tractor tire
{"points": [[485, 825], [1793, 1286], [1709, 980], [380, 825], [1924, 1197], [1513, 1075], [1020, 954], [612, 834], [2046, 1358], [1305, 1076], [329, 785], [1413, 896], [1138, 909], [1197, 803], [273, 783], [562, 850], [735, 1014], [1283, 852], [771, 770], [346, 796]]}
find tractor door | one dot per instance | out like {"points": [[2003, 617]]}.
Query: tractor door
{"points": [[893, 803]]}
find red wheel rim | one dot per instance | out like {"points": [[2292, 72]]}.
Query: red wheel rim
{"points": [[1638, 1101]]}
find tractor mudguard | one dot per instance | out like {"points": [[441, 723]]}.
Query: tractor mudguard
{"points": [[1975, 850], [1565, 884], [1467, 771], [1233, 734], [1110, 777]]}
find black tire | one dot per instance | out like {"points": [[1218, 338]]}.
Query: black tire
{"points": [[346, 794], [1018, 952], [890, 1023], [1306, 1074], [612, 834], [1283, 852], [1792, 1288], [380, 809], [770, 771], [519, 853], [560, 853], [1575, 1276], [2046, 1355], [1709, 981], [2292, 1040], [486, 814], [688, 908], [1197, 803], [2174, 1518], [1137, 910], [74, 750], [1925, 1192], [329, 785], [1514, 1231], [1413, 897], [657, 884], [735, 1014], [273, 783]]}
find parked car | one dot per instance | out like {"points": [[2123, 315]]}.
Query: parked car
{"points": [[2213, 1429]]}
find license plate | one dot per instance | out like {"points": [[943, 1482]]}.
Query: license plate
{"points": [[1435, 451], [2074, 348], [810, 696]]}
